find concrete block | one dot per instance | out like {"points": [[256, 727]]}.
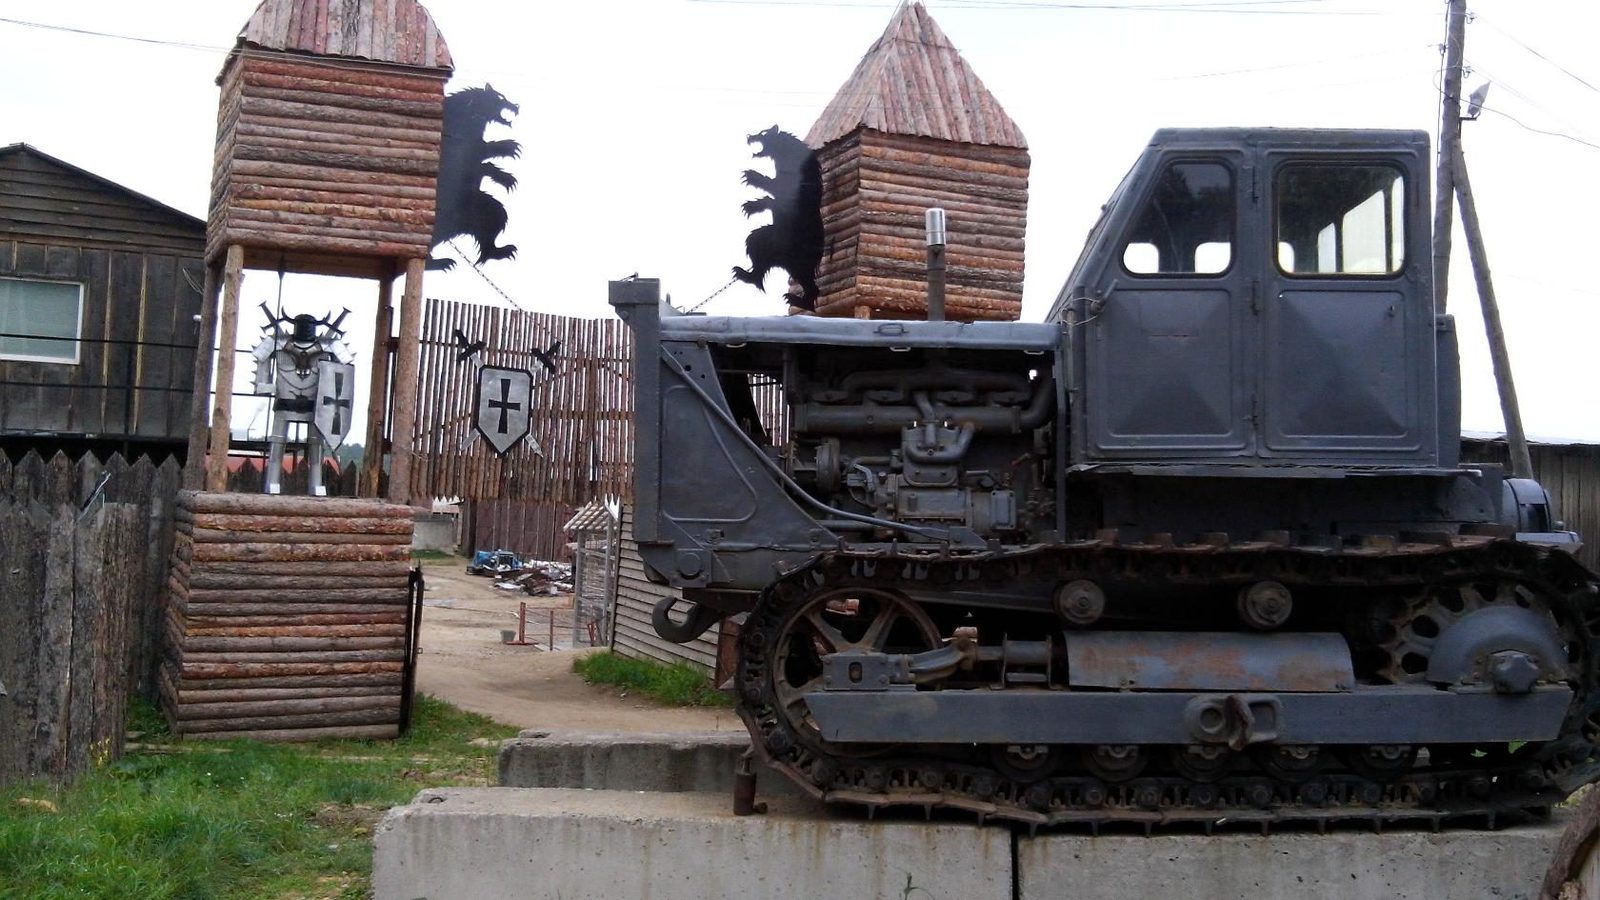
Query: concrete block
{"points": [[484, 843], [693, 761], [1395, 865]]}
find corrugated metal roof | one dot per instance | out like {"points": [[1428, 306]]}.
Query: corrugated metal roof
{"points": [[390, 31], [913, 81]]}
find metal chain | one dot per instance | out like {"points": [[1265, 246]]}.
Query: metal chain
{"points": [[713, 296], [486, 279]]}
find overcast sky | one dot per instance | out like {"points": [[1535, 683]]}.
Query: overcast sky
{"points": [[634, 116]]}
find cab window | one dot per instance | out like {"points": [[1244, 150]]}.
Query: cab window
{"points": [[1186, 227], [1340, 219]]}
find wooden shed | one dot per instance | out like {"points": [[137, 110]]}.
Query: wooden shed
{"points": [[329, 135], [914, 128], [99, 287]]}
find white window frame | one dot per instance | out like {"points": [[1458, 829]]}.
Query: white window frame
{"points": [[77, 337]]}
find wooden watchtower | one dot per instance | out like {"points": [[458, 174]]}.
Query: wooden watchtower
{"points": [[913, 128], [327, 157]]}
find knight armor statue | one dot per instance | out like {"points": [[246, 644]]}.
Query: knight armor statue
{"points": [[309, 384]]}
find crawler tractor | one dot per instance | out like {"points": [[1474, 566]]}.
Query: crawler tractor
{"points": [[1198, 548]]}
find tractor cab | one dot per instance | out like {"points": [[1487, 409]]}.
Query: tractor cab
{"points": [[1262, 298]]}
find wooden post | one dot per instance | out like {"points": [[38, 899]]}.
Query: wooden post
{"points": [[378, 395], [199, 399], [1521, 460], [407, 357], [1449, 137], [222, 398]]}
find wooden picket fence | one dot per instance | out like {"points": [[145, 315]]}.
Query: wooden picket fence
{"points": [[83, 553]]}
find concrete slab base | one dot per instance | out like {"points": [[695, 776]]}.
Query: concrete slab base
{"points": [[484, 843], [516, 842], [675, 762], [1352, 865]]}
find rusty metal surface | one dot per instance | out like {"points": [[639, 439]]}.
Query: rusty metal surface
{"points": [[392, 31], [913, 81], [1209, 661]]}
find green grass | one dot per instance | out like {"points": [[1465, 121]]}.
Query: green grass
{"points": [[674, 685], [435, 556], [231, 819]]}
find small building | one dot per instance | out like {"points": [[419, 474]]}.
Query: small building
{"points": [[100, 287], [912, 128]]}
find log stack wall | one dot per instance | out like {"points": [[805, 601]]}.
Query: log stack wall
{"points": [[287, 618], [877, 187]]}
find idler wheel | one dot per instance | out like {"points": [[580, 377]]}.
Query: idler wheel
{"points": [[832, 621], [1265, 605], [1114, 762]]}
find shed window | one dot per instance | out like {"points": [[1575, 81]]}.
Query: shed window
{"points": [[1186, 226], [40, 320], [1341, 220]]}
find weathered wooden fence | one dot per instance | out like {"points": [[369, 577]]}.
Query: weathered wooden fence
{"points": [[581, 421], [83, 550]]}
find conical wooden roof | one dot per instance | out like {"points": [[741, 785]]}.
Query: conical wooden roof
{"points": [[385, 31], [913, 81]]}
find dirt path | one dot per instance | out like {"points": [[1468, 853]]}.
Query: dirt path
{"points": [[461, 659]]}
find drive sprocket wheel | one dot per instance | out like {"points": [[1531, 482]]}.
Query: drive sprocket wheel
{"points": [[1420, 622]]}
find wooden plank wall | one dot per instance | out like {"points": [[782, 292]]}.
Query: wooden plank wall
{"points": [[582, 416], [633, 635], [529, 528], [582, 413], [141, 271], [82, 563], [288, 617], [1571, 473]]}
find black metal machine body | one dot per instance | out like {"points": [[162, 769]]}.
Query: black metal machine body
{"points": [[1201, 542]]}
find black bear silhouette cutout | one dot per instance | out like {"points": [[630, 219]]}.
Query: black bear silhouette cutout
{"points": [[462, 206], [793, 240]]}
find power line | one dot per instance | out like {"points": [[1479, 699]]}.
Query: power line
{"points": [[1521, 124], [1566, 71], [45, 26]]}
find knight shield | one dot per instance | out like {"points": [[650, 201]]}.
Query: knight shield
{"points": [[503, 405], [336, 393]]}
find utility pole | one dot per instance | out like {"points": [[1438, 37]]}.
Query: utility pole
{"points": [[1516, 438], [1453, 185], [1449, 139]]}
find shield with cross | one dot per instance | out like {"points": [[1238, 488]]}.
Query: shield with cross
{"points": [[336, 394], [505, 398]]}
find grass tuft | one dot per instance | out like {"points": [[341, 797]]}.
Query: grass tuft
{"points": [[674, 685], [235, 819]]}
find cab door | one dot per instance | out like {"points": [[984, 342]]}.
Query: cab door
{"points": [[1347, 342], [1168, 337]]}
